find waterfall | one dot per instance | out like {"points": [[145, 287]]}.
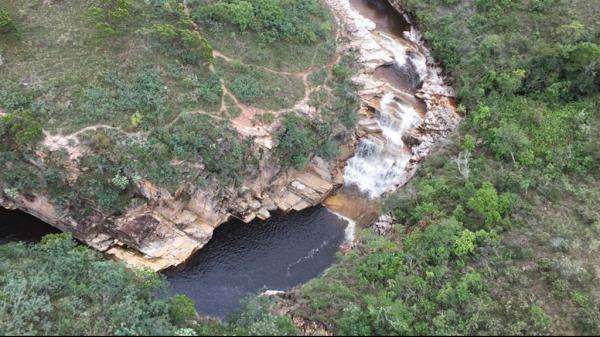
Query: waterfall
{"points": [[381, 159]]}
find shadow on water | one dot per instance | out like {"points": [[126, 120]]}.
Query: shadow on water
{"points": [[243, 259], [384, 15], [20, 226]]}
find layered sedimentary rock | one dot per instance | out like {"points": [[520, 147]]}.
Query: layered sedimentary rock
{"points": [[406, 106], [167, 228]]}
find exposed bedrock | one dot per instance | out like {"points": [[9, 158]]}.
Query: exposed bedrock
{"points": [[168, 228]]}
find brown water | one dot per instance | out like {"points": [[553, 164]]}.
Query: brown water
{"points": [[384, 15], [403, 78], [352, 205]]}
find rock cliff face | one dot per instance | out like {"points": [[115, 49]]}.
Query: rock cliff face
{"points": [[400, 122], [168, 228]]}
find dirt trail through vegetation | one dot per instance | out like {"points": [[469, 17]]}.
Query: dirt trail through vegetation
{"points": [[247, 124]]}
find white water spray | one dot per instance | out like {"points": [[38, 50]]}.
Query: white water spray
{"points": [[379, 163], [381, 159]]}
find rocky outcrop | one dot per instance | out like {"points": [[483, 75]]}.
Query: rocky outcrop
{"points": [[383, 225], [378, 50], [166, 229]]}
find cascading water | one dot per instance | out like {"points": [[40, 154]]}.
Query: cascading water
{"points": [[381, 161]]}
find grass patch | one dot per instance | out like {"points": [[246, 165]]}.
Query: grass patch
{"points": [[255, 86]]}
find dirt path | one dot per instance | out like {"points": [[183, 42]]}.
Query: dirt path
{"points": [[246, 124], [71, 143]]}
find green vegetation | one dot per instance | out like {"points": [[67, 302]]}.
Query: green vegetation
{"points": [[494, 234], [7, 24], [300, 137], [179, 37], [59, 288], [258, 87], [19, 129], [273, 20], [107, 15], [145, 104], [297, 140], [282, 35]]}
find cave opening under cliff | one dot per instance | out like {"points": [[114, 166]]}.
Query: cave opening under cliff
{"points": [[16, 225]]}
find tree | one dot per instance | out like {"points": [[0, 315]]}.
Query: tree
{"points": [[295, 141], [510, 142], [182, 310], [57, 287], [487, 203], [186, 44]]}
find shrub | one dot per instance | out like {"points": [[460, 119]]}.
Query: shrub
{"points": [[182, 43], [21, 128], [296, 141], [208, 90], [246, 88], [464, 244], [488, 203], [182, 310], [298, 21], [120, 182], [7, 24], [107, 14], [342, 72], [46, 287], [199, 138], [256, 319], [12, 193]]}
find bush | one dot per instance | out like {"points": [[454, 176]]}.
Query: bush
{"points": [[199, 138], [58, 288], [20, 129], [274, 20], [107, 15], [296, 141], [182, 310], [185, 44], [256, 319], [7, 24], [246, 88], [489, 204]]}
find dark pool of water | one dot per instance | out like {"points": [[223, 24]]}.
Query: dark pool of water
{"points": [[20, 226], [384, 15], [243, 259]]}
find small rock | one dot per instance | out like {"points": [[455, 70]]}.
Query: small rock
{"points": [[383, 225]]}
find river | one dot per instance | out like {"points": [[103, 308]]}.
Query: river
{"points": [[288, 250], [243, 259]]}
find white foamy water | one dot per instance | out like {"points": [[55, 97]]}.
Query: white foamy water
{"points": [[379, 163], [350, 231]]}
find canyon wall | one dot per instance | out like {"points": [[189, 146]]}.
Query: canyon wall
{"points": [[395, 132]]}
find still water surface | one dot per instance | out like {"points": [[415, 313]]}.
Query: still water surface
{"points": [[242, 259]]}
